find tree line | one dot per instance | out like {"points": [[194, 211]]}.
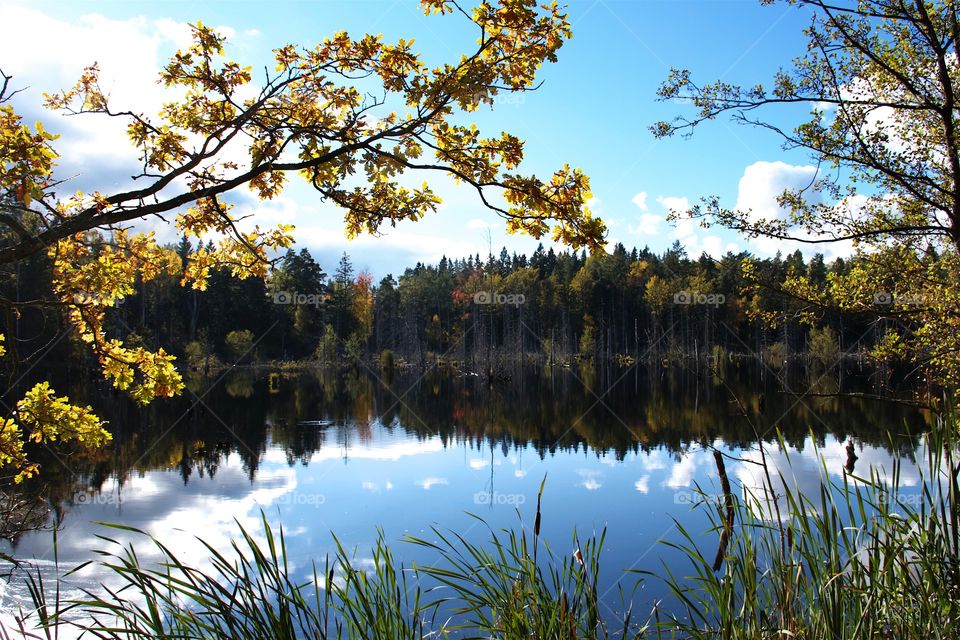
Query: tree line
{"points": [[477, 313]]}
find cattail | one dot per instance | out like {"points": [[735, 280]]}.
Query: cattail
{"points": [[536, 522]]}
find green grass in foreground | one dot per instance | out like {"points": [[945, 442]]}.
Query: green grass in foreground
{"points": [[854, 561]]}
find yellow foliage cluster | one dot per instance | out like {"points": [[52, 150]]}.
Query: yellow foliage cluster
{"points": [[217, 134], [47, 419]]}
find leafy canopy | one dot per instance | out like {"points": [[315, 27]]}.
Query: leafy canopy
{"points": [[353, 116], [880, 79]]}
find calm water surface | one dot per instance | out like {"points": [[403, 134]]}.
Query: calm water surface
{"points": [[349, 453]]}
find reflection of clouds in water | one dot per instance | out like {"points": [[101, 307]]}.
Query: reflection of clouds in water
{"points": [[589, 480], [375, 487], [365, 564], [176, 524], [682, 472], [426, 483], [653, 461], [835, 456], [803, 471], [520, 473], [643, 484], [164, 508], [331, 450], [476, 463]]}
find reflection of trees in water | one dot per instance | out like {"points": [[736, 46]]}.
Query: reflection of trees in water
{"points": [[22, 511], [553, 409]]}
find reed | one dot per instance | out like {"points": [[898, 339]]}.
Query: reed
{"points": [[500, 589], [496, 589], [857, 559]]}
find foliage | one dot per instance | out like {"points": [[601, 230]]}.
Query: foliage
{"points": [[775, 355], [588, 339], [641, 305], [500, 590], [880, 79], [308, 118], [195, 352], [327, 348], [353, 347], [250, 591], [823, 346], [239, 343], [47, 419]]}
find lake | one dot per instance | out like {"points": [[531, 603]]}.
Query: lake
{"points": [[350, 453]]}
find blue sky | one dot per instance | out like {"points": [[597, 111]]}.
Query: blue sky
{"points": [[592, 111]]}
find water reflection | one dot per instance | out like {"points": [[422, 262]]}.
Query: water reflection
{"points": [[347, 453]]}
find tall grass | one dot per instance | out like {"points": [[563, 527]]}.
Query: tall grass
{"points": [[501, 590], [497, 590], [860, 558], [249, 592]]}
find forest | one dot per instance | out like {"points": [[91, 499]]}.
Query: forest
{"points": [[483, 314]]}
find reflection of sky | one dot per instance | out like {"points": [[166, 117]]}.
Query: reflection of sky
{"points": [[405, 486], [802, 470]]}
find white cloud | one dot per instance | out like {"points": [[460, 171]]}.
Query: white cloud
{"points": [[686, 229], [385, 452], [476, 464], [679, 204], [648, 225], [172, 512], [641, 201], [178, 33], [374, 487], [95, 151], [714, 247], [762, 183], [520, 473], [413, 246], [803, 471]]}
